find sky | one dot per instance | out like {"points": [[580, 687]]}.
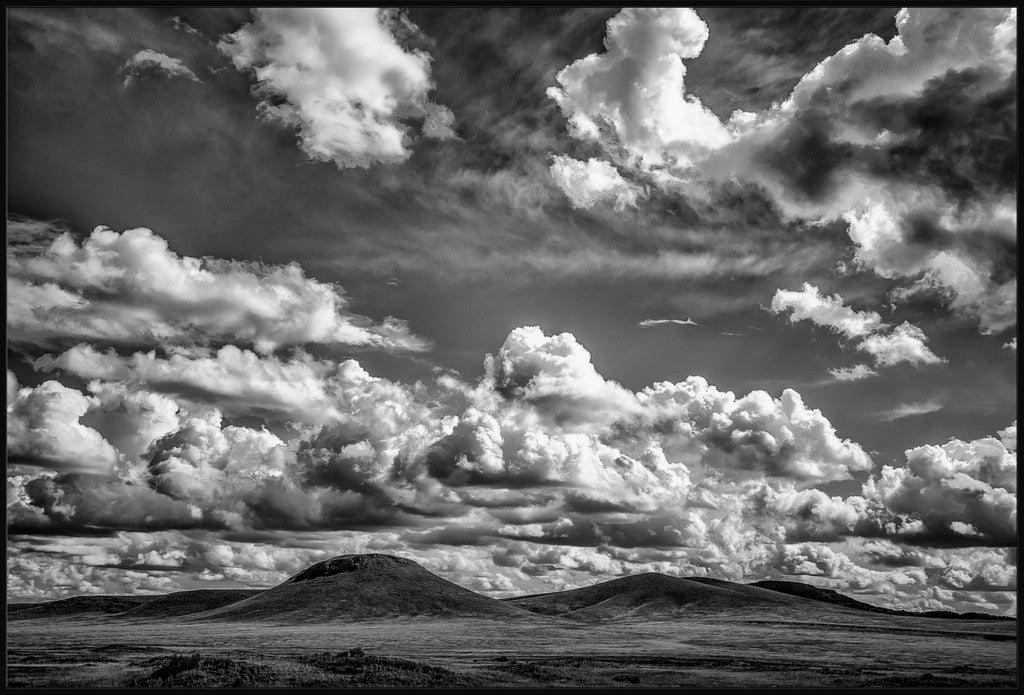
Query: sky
{"points": [[536, 297]]}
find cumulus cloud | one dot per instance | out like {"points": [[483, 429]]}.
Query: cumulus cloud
{"points": [[809, 304], [130, 288], [151, 62], [542, 469], [911, 142], [591, 182], [298, 389], [958, 256], [889, 345], [44, 428], [556, 374], [542, 418], [962, 492], [906, 343], [341, 78], [632, 97], [1009, 436]]}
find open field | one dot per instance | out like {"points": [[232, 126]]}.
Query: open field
{"points": [[840, 648]]}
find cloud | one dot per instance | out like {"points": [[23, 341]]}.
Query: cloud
{"points": [[854, 373], [826, 310], [632, 96], [1011, 345], [1009, 436], [151, 62], [555, 374], [647, 323], [889, 345], [542, 466], [905, 410], [939, 254], [591, 182], [130, 288], [962, 492], [340, 77], [44, 428], [910, 142], [241, 382], [906, 343]]}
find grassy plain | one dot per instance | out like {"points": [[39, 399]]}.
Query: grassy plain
{"points": [[757, 648]]}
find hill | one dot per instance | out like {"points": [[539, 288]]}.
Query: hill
{"points": [[79, 607], [815, 593], [363, 587], [651, 596], [186, 603]]}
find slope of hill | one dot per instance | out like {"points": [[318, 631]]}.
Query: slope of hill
{"points": [[830, 596], [80, 607], [186, 603], [815, 593], [363, 587], [651, 596]]}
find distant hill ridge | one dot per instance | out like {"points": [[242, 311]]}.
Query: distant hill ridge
{"points": [[815, 593], [376, 586], [651, 596]]}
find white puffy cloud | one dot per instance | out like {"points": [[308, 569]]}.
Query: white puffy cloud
{"points": [[151, 61], [906, 343], [591, 182], [838, 571], [964, 277], [44, 428], [340, 77], [542, 474], [808, 304], [632, 98], [555, 373], [889, 345], [1009, 436], [961, 491], [131, 418], [298, 389], [207, 463], [131, 288]]}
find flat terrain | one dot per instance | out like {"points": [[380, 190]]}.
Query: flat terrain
{"points": [[758, 647]]}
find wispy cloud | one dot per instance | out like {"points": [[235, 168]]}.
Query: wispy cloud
{"points": [[685, 321], [905, 410], [854, 373]]}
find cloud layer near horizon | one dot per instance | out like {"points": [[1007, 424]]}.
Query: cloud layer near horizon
{"points": [[542, 466]]}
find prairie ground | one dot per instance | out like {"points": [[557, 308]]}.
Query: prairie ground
{"points": [[706, 651]]}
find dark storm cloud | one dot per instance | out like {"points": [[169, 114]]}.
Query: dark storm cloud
{"points": [[960, 132]]}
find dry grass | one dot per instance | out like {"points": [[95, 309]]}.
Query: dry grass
{"points": [[746, 648]]}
